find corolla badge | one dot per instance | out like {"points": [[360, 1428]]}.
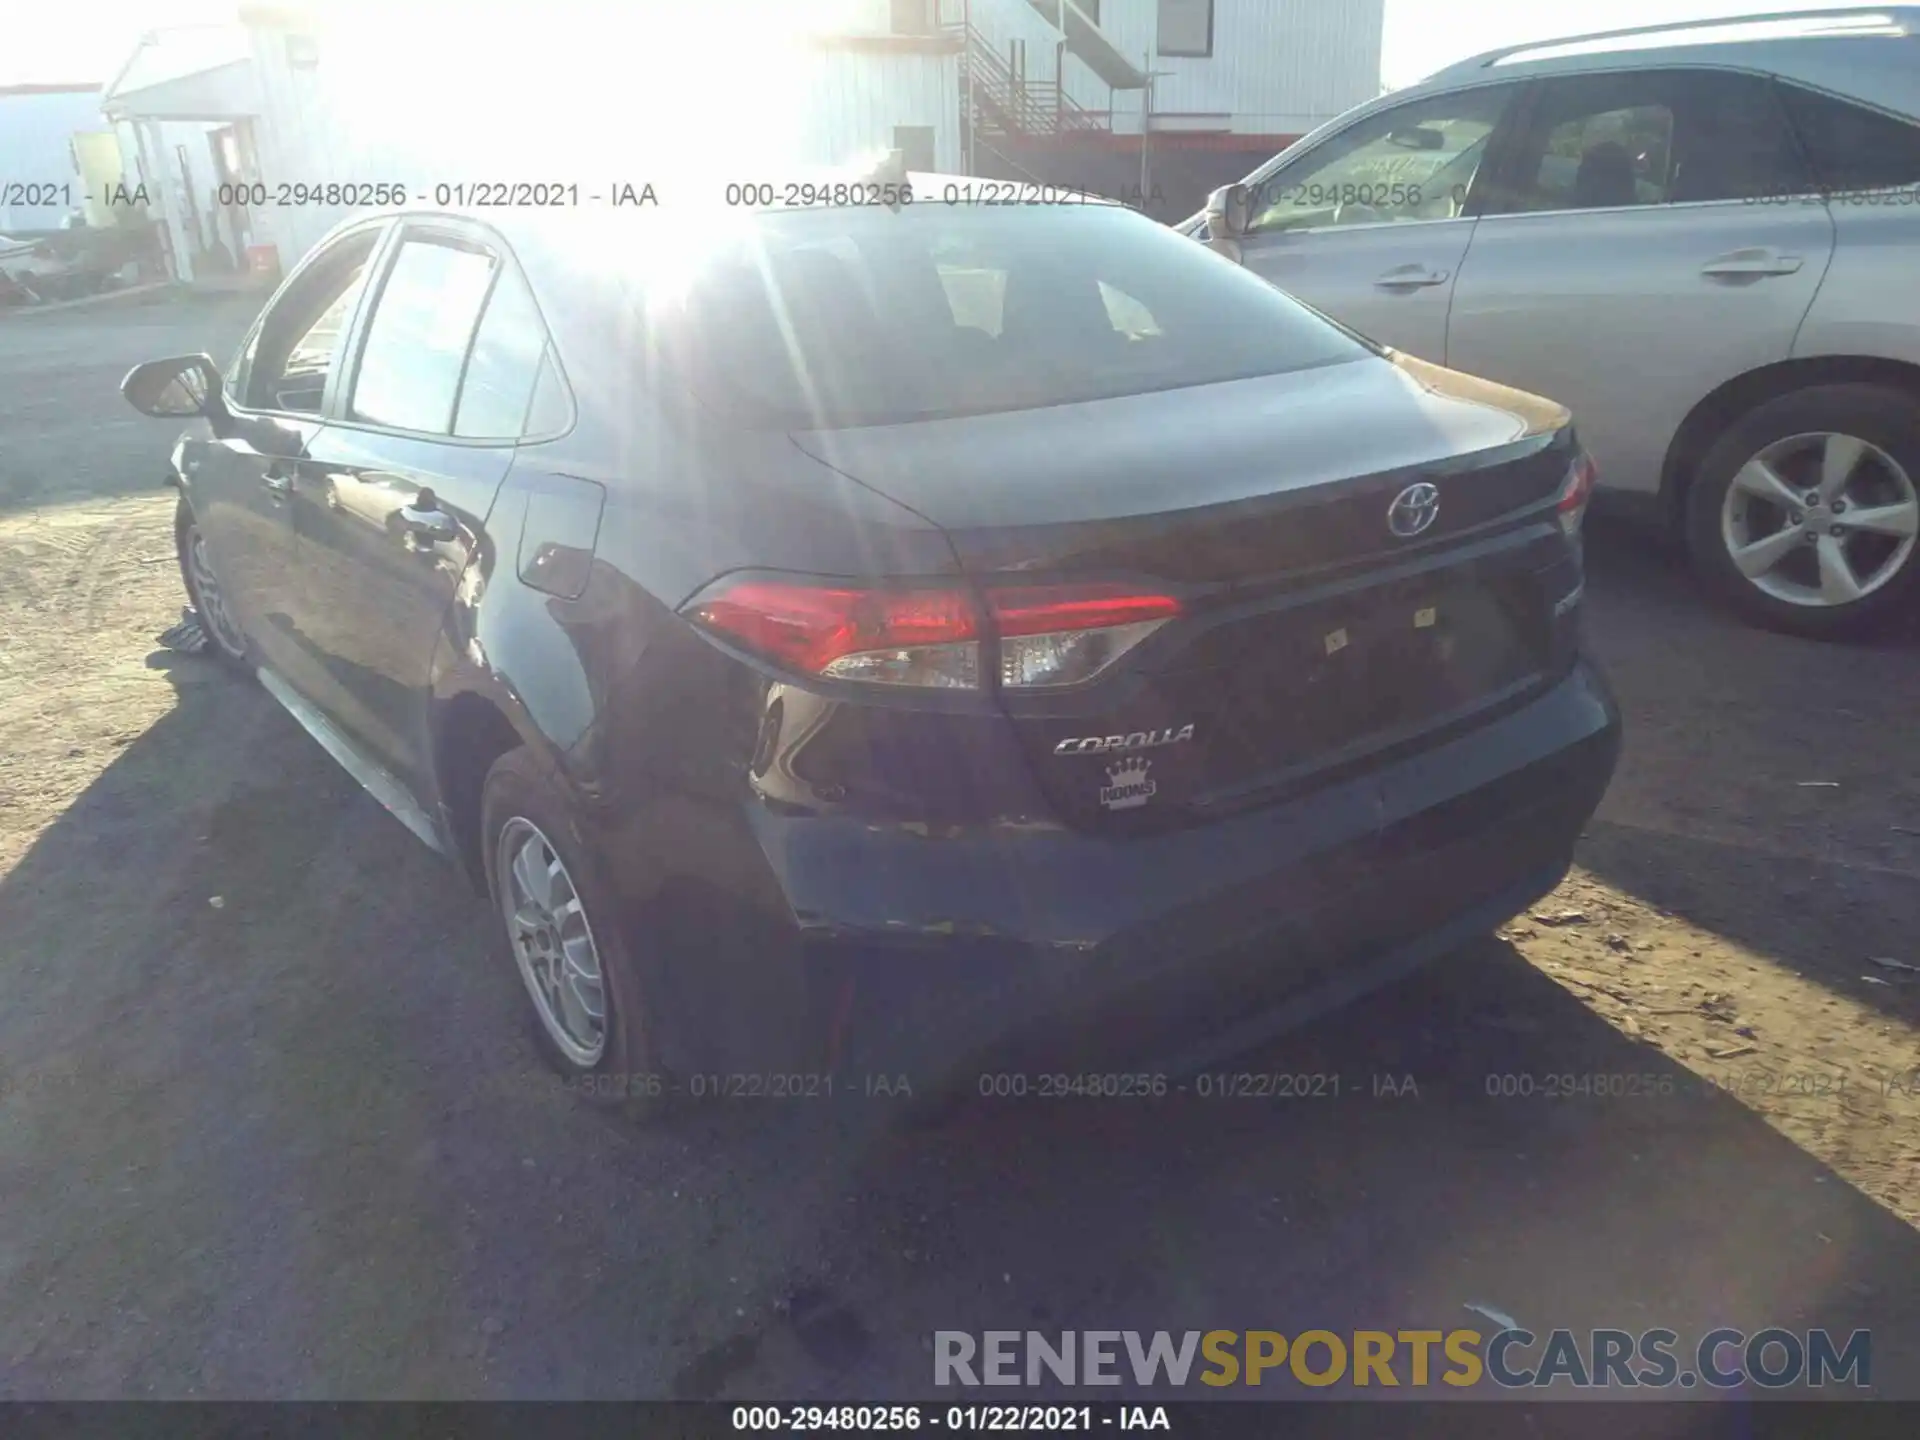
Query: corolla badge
{"points": [[1128, 786], [1414, 510], [1138, 740]]}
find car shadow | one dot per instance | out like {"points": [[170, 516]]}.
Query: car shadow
{"points": [[301, 1146], [1445, 1169]]}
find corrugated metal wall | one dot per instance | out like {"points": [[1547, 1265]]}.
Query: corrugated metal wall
{"points": [[855, 99], [820, 105], [1279, 67]]}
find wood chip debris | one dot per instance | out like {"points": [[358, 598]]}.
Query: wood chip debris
{"points": [[1563, 917]]}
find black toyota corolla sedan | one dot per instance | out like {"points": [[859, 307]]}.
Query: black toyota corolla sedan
{"points": [[876, 633]]}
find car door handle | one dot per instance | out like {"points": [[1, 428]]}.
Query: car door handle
{"points": [[278, 479], [1412, 276], [1758, 261], [432, 524]]}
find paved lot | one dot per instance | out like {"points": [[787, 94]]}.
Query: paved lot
{"points": [[296, 1143]]}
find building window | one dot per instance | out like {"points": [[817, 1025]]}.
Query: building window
{"points": [[1186, 27], [913, 17], [915, 144]]}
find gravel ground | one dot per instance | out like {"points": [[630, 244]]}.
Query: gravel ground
{"points": [[270, 1125]]}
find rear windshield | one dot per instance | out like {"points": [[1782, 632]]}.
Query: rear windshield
{"points": [[869, 316]]}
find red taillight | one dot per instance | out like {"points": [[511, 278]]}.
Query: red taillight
{"points": [[1576, 492], [1050, 635], [899, 637]]}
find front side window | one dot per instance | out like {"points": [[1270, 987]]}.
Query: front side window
{"points": [[1601, 142], [1417, 161], [870, 317], [416, 345], [286, 364]]}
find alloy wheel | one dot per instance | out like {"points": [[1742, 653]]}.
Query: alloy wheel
{"points": [[210, 598], [552, 941], [1820, 520]]}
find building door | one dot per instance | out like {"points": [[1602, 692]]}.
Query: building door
{"points": [[915, 144], [196, 235], [236, 228]]}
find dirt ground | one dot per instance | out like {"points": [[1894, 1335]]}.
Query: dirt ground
{"points": [[268, 1127]]}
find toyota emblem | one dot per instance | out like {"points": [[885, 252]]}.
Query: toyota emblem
{"points": [[1414, 510]]}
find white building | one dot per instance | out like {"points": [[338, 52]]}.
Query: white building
{"points": [[184, 107], [1207, 88], [365, 93]]}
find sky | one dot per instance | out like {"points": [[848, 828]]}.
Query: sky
{"points": [[87, 40]]}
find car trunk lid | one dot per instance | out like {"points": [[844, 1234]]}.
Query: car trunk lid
{"points": [[1312, 631]]}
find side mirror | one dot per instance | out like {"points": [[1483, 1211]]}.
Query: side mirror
{"points": [[181, 386], [1229, 212]]}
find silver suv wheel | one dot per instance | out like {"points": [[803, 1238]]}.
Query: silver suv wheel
{"points": [[1820, 520]]}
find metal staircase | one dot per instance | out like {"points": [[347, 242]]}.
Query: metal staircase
{"points": [[1001, 101], [1091, 44]]}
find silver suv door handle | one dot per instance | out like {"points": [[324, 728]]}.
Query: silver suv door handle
{"points": [[1757, 261], [1410, 276]]}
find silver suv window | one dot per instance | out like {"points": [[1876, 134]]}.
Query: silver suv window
{"points": [[1650, 137], [1852, 147], [1416, 161]]}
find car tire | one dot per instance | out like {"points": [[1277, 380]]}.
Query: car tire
{"points": [[226, 641], [527, 828], [1788, 581]]}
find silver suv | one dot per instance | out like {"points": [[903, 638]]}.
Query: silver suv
{"points": [[1703, 238]]}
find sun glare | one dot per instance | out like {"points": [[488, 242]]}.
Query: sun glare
{"points": [[570, 90]]}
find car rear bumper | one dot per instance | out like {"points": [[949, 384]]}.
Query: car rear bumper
{"points": [[923, 951]]}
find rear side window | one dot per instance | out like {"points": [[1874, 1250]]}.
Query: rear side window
{"points": [[1852, 147], [1605, 158], [417, 340], [867, 316], [501, 372], [550, 410], [1652, 137]]}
